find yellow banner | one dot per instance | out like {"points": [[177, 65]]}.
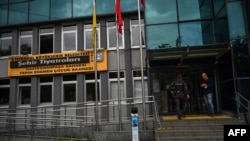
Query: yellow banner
{"points": [[56, 63]]}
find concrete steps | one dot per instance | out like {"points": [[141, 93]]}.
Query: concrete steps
{"points": [[194, 128]]}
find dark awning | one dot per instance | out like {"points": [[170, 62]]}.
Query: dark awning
{"points": [[179, 55]]}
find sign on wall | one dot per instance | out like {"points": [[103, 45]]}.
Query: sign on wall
{"points": [[56, 63]]}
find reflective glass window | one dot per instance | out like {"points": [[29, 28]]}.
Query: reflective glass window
{"points": [[105, 6], [221, 30], [69, 38], [236, 19], [222, 12], [205, 8], [82, 8], [161, 36], [129, 5], [46, 40], [3, 1], [61, 9], [195, 33], [241, 56], [25, 43], [5, 44], [218, 4], [247, 5], [39, 10], [13, 1], [161, 11], [194, 9], [18, 13], [3, 14]]}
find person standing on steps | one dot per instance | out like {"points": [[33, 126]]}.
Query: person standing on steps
{"points": [[179, 92], [207, 87]]}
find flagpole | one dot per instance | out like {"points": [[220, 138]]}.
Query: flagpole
{"points": [[142, 70], [95, 63], [118, 70]]}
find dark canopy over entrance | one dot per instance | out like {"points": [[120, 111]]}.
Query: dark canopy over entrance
{"points": [[186, 55]]}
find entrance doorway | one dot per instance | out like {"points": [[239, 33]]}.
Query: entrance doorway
{"points": [[162, 78]]}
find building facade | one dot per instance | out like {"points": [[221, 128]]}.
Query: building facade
{"points": [[46, 53]]}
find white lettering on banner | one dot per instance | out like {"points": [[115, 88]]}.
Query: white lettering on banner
{"points": [[53, 61], [26, 63]]}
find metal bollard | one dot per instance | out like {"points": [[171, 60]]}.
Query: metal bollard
{"points": [[134, 123]]}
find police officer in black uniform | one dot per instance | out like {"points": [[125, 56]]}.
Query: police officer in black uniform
{"points": [[179, 92]]}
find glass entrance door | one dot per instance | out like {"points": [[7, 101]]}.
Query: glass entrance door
{"points": [[162, 78]]}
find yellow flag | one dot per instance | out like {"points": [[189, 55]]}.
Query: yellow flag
{"points": [[94, 26]]}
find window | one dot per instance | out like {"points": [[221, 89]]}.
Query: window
{"points": [[69, 88], [137, 85], [46, 89], [25, 45], [113, 86], [69, 42], [112, 36], [88, 36], [4, 91], [46, 40], [5, 44], [18, 13], [159, 38], [24, 91], [90, 87], [135, 33]]}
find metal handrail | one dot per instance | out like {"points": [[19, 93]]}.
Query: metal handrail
{"points": [[34, 117], [243, 102]]}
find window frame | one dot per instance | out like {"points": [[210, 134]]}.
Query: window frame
{"points": [[19, 101], [25, 36], [63, 93], [66, 32], [47, 33], [85, 89], [52, 91], [98, 32], [132, 26], [138, 78], [117, 34], [122, 79], [6, 38], [5, 86]]}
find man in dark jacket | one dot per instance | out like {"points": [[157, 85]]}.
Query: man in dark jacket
{"points": [[179, 92], [207, 86]]}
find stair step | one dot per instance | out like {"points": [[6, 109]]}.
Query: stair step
{"points": [[188, 133], [203, 128], [203, 138]]}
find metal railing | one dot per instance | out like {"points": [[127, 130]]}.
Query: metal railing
{"points": [[79, 115], [243, 106]]}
